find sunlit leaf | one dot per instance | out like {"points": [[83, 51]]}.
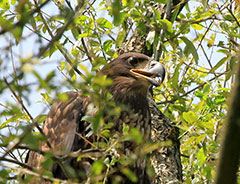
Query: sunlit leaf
{"points": [[197, 26], [97, 167], [220, 63], [27, 68], [190, 48], [118, 17], [104, 23], [175, 77], [190, 117], [201, 157], [120, 38], [107, 45], [162, 1], [167, 25], [81, 20], [4, 4]]}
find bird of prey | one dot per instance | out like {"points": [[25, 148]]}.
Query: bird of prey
{"points": [[67, 131]]}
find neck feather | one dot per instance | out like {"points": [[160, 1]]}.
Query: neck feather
{"points": [[130, 93]]}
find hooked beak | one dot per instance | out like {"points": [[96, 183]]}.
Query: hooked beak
{"points": [[153, 73]]}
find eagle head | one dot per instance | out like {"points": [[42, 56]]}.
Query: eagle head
{"points": [[134, 72]]}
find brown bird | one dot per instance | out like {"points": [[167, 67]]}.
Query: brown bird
{"points": [[68, 131]]}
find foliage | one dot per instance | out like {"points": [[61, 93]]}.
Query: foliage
{"points": [[48, 47]]}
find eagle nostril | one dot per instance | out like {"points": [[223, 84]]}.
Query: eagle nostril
{"points": [[152, 64]]}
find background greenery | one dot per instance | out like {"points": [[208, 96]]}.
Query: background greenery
{"points": [[48, 47]]}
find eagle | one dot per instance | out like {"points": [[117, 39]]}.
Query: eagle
{"points": [[68, 131]]}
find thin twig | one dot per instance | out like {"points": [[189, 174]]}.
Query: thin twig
{"points": [[23, 21], [192, 90], [34, 123], [17, 162], [29, 172], [158, 53], [58, 36], [60, 31], [230, 11], [84, 138], [200, 43]]}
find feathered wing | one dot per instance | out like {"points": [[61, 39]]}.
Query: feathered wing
{"points": [[60, 127]]}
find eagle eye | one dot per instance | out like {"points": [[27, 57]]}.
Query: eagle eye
{"points": [[132, 61]]}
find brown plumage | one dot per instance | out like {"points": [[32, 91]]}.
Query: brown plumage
{"points": [[132, 75]]}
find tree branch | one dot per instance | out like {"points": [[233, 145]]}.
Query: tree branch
{"points": [[60, 31], [34, 123], [21, 22], [17, 162], [192, 90], [59, 34]]}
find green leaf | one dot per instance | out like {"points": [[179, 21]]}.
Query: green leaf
{"points": [[4, 4], [229, 17], [190, 48], [88, 34], [104, 23], [175, 77], [201, 157], [102, 81], [106, 133], [200, 138], [97, 121], [129, 174], [162, 1], [27, 68], [206, 88], [15, 117], [50, 76], [17, 33], [120, 38], [207, 14], [224, 51], [13, 2], [75, 33], [190, 117], [81, 20], [220, 63], [48, 162], [4, 175], [197, 26], [32, 22], [175, 13], [167, 25], [135, 135], [107, 45], [228, 75], [125, 128], [97, 168], [118, 16]]}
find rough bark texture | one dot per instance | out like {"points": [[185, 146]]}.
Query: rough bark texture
{"points": [[166, 161]]}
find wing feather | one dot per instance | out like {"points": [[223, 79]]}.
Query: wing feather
{"points": [[60, 126]]}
